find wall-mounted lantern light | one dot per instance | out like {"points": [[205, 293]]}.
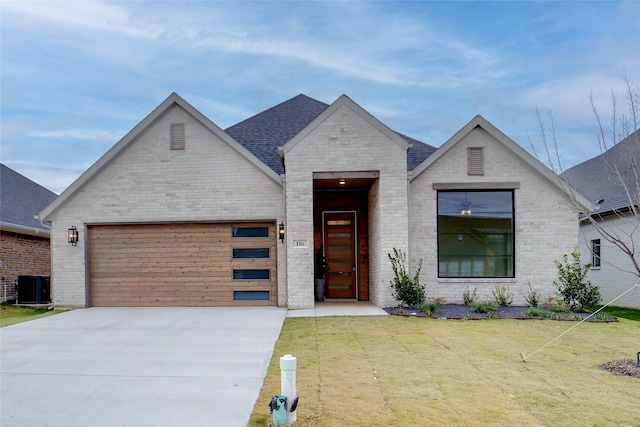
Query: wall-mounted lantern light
{"points": [[73, 235], [281, 231]]}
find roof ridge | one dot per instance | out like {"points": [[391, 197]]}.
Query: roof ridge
{"points": [[263, 112]]}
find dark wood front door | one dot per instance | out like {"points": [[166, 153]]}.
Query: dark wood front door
{"points": [[340, 254]]}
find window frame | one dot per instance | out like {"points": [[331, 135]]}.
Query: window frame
{"points": [[512, 250], [596, 255]]}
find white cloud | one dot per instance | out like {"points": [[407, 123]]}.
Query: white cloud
{"points": [[85, 15], [79, 134]]}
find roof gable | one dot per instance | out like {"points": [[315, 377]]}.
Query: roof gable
{"points": [[612, 175], [344, 100], [20, 200], [171, 101], [555, 181]]}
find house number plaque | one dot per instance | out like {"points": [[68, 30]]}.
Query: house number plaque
{"points": [[300, 244]]}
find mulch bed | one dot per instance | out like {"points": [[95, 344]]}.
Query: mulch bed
{"points": [[622, 367], [460, 311]]}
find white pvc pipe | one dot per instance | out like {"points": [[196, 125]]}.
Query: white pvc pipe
{"points": [[288, 383]]}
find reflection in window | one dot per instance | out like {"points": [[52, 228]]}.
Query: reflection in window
{"points": [[475, 234]]}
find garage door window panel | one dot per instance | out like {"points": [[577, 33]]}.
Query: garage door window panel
{"points": [[251, 295], [251, 274], [250, 231], [251, 253]]}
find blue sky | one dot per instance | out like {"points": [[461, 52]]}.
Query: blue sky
{"points": [[76, 76]]}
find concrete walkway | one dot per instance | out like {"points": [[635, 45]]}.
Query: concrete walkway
{"points": [[339, 308], [137, 367]]}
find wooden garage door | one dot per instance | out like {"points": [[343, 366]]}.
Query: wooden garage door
{"points": [[182, 265]]}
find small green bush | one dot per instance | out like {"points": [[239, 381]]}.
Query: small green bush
{"points": [[488, 307], [470, 297], [556, 305], [503, 296], [429, 308], [538, 312], [572, 284], [532, 298], [406, 289]]}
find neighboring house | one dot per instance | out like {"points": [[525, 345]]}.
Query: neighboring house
{"points": [[24, 241], [181, 212], [613, 179]]}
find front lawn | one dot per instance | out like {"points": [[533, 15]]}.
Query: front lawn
{"points": [[401, 371], [11, 314], [625, 313]]}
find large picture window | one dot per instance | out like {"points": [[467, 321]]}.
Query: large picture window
{"points": [[475, 234]]}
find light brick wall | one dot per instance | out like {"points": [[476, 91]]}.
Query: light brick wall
{"points": [[616, 273], [546, 225], [345, 141], [148, 182]]}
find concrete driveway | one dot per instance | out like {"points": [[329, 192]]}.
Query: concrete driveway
{"points": [[137, 367]]}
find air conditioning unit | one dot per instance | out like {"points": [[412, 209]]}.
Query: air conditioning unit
{"points": [[34, 290]]}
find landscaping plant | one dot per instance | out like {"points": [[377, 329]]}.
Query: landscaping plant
{"points": [[573, 287], [406, 289], [429, 308], [532, 298], [488, 307], [470, 297], [503, 296]]}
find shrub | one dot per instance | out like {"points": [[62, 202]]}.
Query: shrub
{"points": [[503, 296], [470, 297], [429, 308], [406, 289], [538, 312], [488, 307], [556, 305], [532, 298], [572, 285]]}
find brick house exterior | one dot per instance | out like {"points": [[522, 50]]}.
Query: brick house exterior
{"points": [[332, 178], [24, 241]]}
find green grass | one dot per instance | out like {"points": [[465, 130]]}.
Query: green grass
{"points": [[12, 314], [622, 312], [401, 371]]}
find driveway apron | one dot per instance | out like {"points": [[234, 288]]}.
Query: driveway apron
{"points": [[137, 366]]}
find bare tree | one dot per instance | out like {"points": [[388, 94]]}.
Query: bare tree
{"points": [[613, 185]]}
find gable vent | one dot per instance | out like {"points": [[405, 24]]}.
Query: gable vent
{"points": [[177, 136], [476, 160]]}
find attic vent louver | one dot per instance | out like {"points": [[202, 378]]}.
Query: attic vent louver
{"points": [[476, 160], [177, 136]]}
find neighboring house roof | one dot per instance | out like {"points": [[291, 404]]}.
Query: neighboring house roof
{"points": [[263, 133], [20, 200], [610, 175], [544, 172]]}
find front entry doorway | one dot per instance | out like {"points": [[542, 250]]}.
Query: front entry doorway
{"points": [[340, 254]]}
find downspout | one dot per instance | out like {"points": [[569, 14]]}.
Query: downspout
{"points": [[409, 177], [283, 177]]}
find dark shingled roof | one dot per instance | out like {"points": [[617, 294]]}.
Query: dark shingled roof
{"points": [[597, 178], [21, 199], [263, 133]]}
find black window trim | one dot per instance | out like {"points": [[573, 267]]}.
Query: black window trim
{"points": [[458, 188]]}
